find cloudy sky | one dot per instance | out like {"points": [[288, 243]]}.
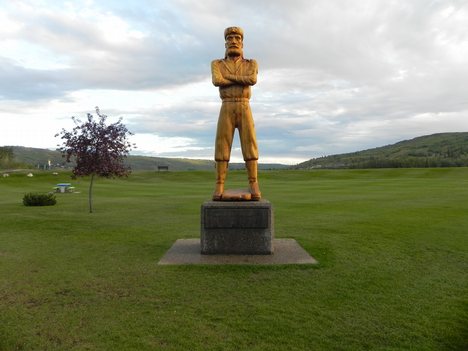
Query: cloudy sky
{"points": [[334, 76]]}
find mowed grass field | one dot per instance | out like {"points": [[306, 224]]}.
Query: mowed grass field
{"points": [[392, 246]]}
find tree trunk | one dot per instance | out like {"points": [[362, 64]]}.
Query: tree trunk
{"points": [[90, 194]]}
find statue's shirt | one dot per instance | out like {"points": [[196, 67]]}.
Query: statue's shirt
{"points": [[234, 78]]}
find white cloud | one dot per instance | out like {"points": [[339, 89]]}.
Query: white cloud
{"points": [[159, 146], [9, 26]]}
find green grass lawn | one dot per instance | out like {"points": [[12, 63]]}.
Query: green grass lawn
{"points": [[392, 246]]}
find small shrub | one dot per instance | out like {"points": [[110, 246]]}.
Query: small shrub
{"points": [[36, 199]]}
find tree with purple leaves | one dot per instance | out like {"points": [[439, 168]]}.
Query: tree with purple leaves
{"points": [[96, 148]]}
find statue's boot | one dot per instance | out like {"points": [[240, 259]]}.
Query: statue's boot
{"points": [[221, 169], [254, 189]]}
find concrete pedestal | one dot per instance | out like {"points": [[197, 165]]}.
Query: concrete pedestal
{"points": [[237, 227]]}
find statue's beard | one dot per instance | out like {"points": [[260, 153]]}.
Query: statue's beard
{"points": [[233, 52]]}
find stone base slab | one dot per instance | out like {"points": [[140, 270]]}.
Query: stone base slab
{"points": [[187, 251]]}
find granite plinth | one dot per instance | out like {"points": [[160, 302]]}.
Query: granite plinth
{"points": [[237, 227]]}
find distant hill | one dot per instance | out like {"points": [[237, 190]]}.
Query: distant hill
{"points": [[139, 163], [436, 150], [35, 157]]}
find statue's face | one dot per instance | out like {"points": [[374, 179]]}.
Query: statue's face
{"points": [[234, 45]]}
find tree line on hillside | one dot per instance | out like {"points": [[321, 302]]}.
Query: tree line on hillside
{"points": [[13, 157], [6, 155], [408, 162], [7, 158], [394, 157]]}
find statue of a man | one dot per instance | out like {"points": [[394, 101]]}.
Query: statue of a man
{"points": [[234, 75]]}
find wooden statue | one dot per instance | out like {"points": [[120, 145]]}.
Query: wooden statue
{"points": [[234, 75]]}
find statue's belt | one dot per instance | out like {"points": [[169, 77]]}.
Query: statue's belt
{"points": [[236, 100]]}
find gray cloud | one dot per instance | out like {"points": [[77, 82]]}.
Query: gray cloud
{"points": [[19, 83], [334, 76]]}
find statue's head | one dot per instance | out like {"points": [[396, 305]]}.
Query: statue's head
{"points": [[234, 37]]}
